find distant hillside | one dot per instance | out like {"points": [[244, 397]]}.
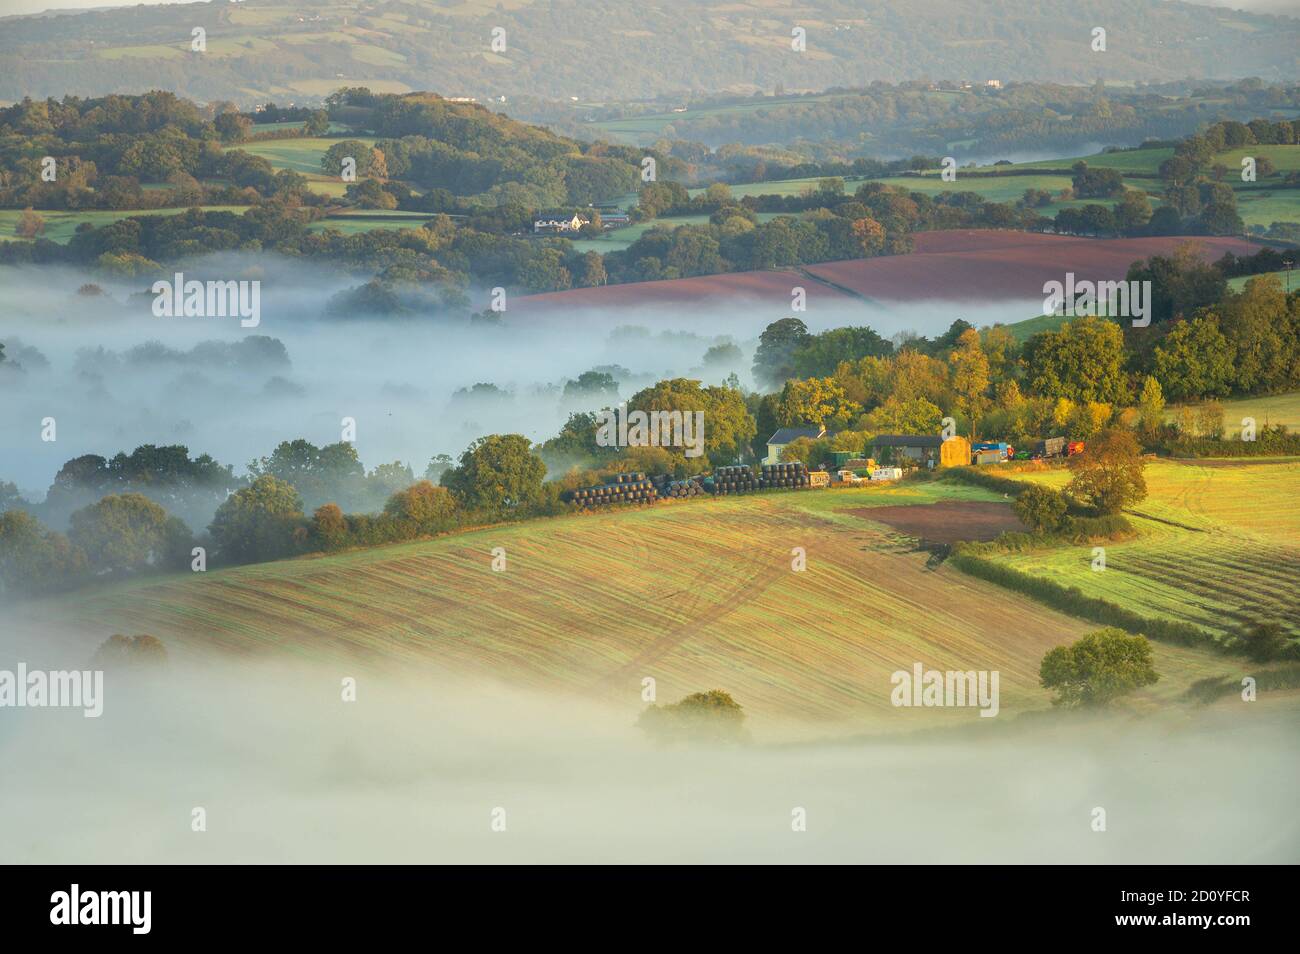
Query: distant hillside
{"points": [[258, 49]]}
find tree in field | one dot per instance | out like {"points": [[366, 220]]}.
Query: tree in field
{"points": [[425, 507], [915, 416], [258, 522], [1108, 474], [728, 427], [1083, 361], [318, 123], [868, 236], [1264, 642], [329, 527], [709, 717], [970, 377], [120, 651], [497, 473], [1194, 360], [126, 533], [1040, 508], [34, 559], [819, 355], [773, 359], [1098, 668], [1151, 407], [30, 225], [816, 402], [320, 474]]}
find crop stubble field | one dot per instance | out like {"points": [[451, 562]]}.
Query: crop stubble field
{"points": [[697, 595]]}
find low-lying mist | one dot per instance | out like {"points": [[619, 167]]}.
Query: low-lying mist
{"points": [[113, 376], [416, 769]]}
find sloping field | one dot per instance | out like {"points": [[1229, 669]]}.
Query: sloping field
{"points": [[1219, 547], [986, 269], [959, 265], [695, 595], [731, 288]]}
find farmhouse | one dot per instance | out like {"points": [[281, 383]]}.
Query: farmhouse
{"points": [[787, 435], [893, 448], [551, 226]]}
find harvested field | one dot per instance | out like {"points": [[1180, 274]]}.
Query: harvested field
{"points": [[959, 265], [945, 523], [696, 595], [731, 288], [993, 265]]}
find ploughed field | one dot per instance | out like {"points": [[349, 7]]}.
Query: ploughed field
{"points": [[696, 594], [956, 265]]}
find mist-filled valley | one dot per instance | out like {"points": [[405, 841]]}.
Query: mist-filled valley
{"points": [[113, 376], [427, 767]]}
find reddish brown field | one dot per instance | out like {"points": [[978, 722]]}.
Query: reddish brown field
{"points": [[730, 288], [975, 520], [960, 265], [992, 265]]}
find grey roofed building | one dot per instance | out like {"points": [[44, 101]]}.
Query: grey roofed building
{"points": [[788, 435]]}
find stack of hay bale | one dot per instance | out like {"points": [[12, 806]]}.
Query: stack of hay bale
{"points": [[623, 489], [793, 475], [737, 479], [667, 487]]}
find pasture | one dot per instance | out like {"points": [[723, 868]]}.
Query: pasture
{"points": [[1217, 546]]}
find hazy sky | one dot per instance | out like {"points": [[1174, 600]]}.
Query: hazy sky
{"points": [[8, 7]]}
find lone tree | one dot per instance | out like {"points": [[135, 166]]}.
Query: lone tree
{"points": [[1097, 669], [119, 650], [1108, 474], [1040, 508], [711, 716]]}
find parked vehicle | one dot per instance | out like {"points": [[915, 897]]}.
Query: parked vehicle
{"points": [[1074, 447]]}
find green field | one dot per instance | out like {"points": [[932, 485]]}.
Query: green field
{"points": [[695, 594], [60, 226], [1271, 409], [618, 239], [301, 155], [1260, 203], [1217, 546]]}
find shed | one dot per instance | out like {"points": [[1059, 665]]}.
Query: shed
{"points": [[891, 448]]}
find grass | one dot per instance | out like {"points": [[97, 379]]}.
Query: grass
{"points": [[695, 594], [1216, 547], [1260, 203], [1270, 409], [300, 155]]}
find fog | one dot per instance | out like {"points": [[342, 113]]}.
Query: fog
{"points": [[413, 770], [397, 378]]}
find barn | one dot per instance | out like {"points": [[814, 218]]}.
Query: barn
{"points": [[894, 448]]}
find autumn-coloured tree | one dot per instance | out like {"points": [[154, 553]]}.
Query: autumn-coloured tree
{"points": [[1108, 474], [970, 377]]}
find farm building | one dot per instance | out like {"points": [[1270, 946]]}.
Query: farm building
{"points": [[893, 448], [954, 452], [547, 226], [788, 435]]}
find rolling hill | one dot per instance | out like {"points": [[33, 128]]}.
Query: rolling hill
{"points": [[696, 595], [259, 49]]}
